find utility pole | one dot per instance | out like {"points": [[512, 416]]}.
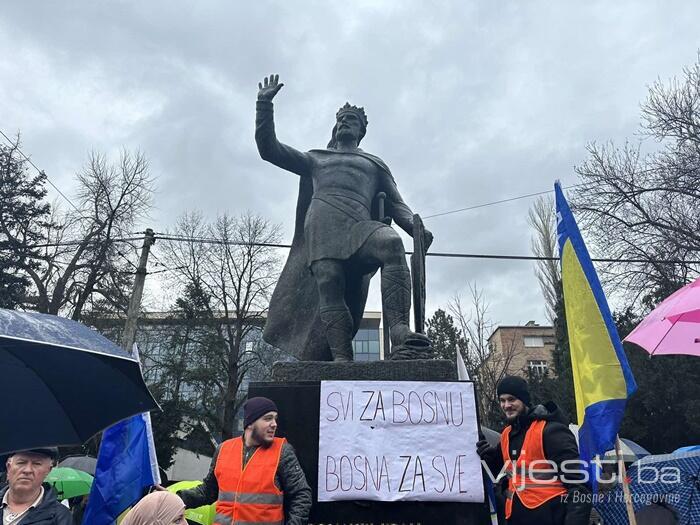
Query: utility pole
{"points": [[132, 316]]}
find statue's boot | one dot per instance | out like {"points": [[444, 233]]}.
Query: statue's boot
{"points": [[338, 324], [396, 301]]}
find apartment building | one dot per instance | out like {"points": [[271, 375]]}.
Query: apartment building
{"points": [[527, 347]]}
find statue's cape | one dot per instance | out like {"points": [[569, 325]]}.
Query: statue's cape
{"points": [[293, 321]]}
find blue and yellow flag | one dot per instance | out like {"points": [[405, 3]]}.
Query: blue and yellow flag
{"points": [[602, 376]]}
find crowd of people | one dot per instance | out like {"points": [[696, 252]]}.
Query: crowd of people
{"points": [[257, 478], [254, 478]]}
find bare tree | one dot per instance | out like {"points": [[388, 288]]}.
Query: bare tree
{"points": [[542, 219], [486, 364], [80, 261], [646, 206], [232, 266]]}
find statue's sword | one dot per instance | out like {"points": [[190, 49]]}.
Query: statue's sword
{"points": [[418, 274], [381, 197]]}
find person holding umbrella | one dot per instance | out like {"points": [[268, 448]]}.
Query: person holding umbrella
{"points": [[26, 498]]}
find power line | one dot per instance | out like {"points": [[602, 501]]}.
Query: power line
{"points": [[60, 244], [204, 240], [511, 199], [171, 237], [537, 258], [126, 259], [42, 172], [167, 270], [158, 261], [647, 170], [209, 240]]}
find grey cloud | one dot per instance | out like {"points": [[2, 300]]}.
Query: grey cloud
{"points": [[467, 102]]}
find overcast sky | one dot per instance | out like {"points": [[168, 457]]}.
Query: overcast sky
{"points": [[468, 103]]}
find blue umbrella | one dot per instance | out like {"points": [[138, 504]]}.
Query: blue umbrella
{"points": [[636, 450], [670, 479], [689, 448], [62, 382]]}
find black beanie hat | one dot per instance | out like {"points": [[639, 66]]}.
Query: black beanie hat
{"points": [[515, 386], [255, 408]]}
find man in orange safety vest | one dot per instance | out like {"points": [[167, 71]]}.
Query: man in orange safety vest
{"points": [[255, 478], [545, 480]]}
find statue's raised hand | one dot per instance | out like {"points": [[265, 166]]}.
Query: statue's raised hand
{"points": [[269, 87]]}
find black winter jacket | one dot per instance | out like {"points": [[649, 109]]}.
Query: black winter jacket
{"points": [[559, 445], [48, 512]]}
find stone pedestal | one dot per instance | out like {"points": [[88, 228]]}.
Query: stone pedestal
{"points": [[296, 391], [418, 370]]}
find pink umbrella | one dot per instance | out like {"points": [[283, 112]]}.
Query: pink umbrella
{"points": [[674, 326]]}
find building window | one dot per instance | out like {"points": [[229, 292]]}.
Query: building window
{"points": [[533, 341], [537, 367], [366, 344]]}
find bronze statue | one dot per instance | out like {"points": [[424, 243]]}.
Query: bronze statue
{"points": [[339, 242]]}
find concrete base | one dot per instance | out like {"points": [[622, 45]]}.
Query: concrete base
{"points": [[418, 370]]}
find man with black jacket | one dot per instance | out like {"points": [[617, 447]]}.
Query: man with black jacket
{"points": [[256, 477], [27, 500], [544, 479]]}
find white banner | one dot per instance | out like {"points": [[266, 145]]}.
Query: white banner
{"points": [[392, 441]]}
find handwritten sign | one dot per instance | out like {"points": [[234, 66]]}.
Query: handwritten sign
{"points": [[394, 441]]}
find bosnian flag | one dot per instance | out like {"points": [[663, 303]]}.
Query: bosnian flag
{"points": [[126, 466], [603, 378]]}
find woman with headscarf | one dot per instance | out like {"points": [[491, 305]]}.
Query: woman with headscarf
{"points": [[157, 508]]}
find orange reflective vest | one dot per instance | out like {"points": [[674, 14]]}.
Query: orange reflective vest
{"points": [[248, 494], [529, 477]]}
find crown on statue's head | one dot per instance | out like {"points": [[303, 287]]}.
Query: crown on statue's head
{"points": [[360, 112]]}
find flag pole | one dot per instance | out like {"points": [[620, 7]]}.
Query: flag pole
{"points": [[622, 471]]}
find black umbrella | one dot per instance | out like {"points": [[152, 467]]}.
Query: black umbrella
{"points": [[84, 463], [62, 382]]}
